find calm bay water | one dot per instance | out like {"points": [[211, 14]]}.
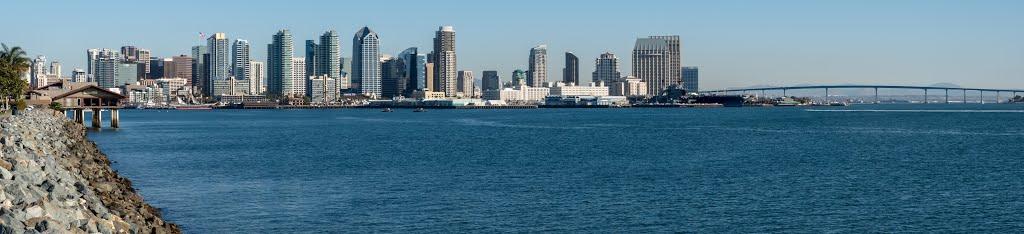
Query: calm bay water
{"points": [[886, 168]]}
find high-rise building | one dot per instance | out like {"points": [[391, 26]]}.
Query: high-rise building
{"points": [[279, 64], [366, 72], [90, 63], [416, 70], [79, 75], [105, 67], [394, 79], [571, 72], [130, 54], [157, 67], [675, 59], [490, 81], [652, 63], [39, 72], [466, 84], [322, 89], [257, 78], [606, 68], [311, 48], [518, 78], [538, 73], [199, 68], [220, 59], [444, 59], [328, 56], [145, 58], [181, 68], [299, 76], [690, 79], [127, 73], [240, 59]]}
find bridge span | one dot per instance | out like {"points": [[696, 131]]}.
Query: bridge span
{"points": [[827, 88]]}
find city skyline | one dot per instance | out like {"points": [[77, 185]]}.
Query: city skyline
{"points": [[779, 43]]}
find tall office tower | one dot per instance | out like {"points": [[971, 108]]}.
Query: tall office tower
{"points": [[415, 69], [466, 83], [394, 79], [182, 68], [257, 77], [690, 79], [431, 82], [366, 62], [220, 60], [106, 68], [90, 62], [144, 58], [127, 73], [240, 58], [79, 75], [157, 67], [606, 68], [651, 63], [518, 77], [55, 69], [538, 73], [445, 69], [328, 55], [675, 60], [311, 58], [279, 64], [299, 76], [130, 54], [571, 72], [39, 72], [346, 66], [490, 81], [198, 68]]}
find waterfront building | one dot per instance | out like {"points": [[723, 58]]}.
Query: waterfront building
{"points": [[415, 69], [394, 77], [229, 86], [655, 62], [240, 51], [279, 64], [571, 72], [490, 81], [366, 74], [198, 68], [322, 89], [79, 75], [172, 87], [298, 77], [690, 79], [431, 83], [257, 78], [518, 77], [466, 84], [628, 86], [519, 94], [569, 89], [538, 73], [444, 59], [606, 68]]}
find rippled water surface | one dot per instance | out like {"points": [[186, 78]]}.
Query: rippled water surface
{"points": [[930, 168]]}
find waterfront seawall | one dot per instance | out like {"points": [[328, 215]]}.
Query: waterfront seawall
{"points": [[54, 180]]}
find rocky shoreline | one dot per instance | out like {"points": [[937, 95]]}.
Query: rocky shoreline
{"points": [[54, 180]]}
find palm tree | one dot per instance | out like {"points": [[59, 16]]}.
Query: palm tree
{"points": [[14, 63]]}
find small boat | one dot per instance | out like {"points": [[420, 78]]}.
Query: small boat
{"points": [[387, 110], [419, 110]]}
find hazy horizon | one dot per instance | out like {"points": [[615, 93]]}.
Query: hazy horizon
{"points": [[735, 43]]}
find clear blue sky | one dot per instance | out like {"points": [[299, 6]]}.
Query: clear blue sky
{"points": [[735, 43]]}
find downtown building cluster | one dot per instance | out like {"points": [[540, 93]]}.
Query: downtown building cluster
{"points": [[223, 70]]}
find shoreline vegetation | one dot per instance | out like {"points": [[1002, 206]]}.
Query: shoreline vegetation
{"points": [[54, 180]]}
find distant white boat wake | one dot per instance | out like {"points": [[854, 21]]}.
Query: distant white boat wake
{"points": [[928, 111]]}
